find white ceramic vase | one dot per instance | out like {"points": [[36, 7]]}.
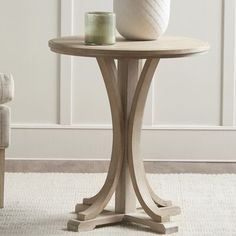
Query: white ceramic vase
{"points": [[142, 19]]}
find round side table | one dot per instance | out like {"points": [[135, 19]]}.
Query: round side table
{"points": [[127, 86]]}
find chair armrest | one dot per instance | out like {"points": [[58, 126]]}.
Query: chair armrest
{"points": [[6, 88]]}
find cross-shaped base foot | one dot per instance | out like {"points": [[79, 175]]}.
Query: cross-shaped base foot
{"points": [[108, 217]]}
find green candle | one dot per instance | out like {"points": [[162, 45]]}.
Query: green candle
{"points": [[100, 28]]}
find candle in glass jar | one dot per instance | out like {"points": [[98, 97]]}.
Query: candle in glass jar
{"points": [[100, 28]]}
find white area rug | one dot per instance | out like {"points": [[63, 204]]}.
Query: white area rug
{"points": [[40, 204]]}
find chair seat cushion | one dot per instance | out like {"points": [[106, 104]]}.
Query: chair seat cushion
{"points": [[6, 88]]}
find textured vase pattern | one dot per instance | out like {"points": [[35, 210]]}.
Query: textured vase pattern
{"points": [[142, 19]]}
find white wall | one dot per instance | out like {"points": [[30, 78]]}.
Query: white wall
{"points": [[61, 109], [25, 27]]}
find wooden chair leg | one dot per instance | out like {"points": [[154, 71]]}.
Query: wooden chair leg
{"points": [[2, 173]]}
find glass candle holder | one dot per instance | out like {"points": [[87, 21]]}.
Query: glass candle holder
{"points": [[100, 28]]}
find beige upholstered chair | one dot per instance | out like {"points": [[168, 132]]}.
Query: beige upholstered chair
{"points": [[6, 95]]}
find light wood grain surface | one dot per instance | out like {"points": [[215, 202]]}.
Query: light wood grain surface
{"points": [[127, 86], [100, 200], [165, 47]]}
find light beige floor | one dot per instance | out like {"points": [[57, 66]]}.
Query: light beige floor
{"points": [[41, 204]]}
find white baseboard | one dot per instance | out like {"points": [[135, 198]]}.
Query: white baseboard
{"points": [[45, 142]]}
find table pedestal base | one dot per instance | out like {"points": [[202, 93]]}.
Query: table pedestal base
{"points": [[108, 217], [127, 87]]}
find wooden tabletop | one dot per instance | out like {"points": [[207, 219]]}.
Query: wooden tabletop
{"points": [[164, 47]]}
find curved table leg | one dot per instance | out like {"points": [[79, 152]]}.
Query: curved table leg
{"points": [[145, 194], [159, 201], [99, 201]]}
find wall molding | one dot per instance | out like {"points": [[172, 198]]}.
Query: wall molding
{"points": [[66, 64], [229, 62], [228, 96]]}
